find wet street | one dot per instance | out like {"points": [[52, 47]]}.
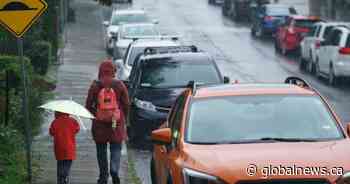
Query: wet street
{"points": [[239, 55]]}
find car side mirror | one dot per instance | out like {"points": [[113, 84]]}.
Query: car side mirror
{"points": [[348, 129], [106, 23], [118, 63], [161, 136], [155, 21], [226, 80]]}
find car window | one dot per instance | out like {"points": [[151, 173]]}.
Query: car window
{"points": [[337, 38], [249, 118], [176, 118], [327, 31], [348, 42], [139, 30], [318, 31], [278, 11], [129, 18], [167, 73], [314, 30]]}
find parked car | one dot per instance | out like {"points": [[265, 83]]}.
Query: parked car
{"points": [[134, 50], [241, 9], [120, 17], [333, 57], [267, 18], [215, 1], [130, 32], [236, 9], [122, 1], [230, 133], [312, 43], [290, 34], [156, 80]]}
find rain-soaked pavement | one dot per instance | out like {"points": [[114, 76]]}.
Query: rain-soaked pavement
{"points": [[238, 55]]}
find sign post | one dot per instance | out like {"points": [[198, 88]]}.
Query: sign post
{"points": [[17, 17], [28, 133]]}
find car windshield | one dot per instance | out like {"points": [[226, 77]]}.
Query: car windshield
{"points": [[166, 73], [303, 23], [139, 31], [129, 18], [276, 11], [253, 118]]}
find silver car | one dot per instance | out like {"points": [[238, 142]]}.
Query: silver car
{"points": [[130, 32], [120, 17], [134, 50]]}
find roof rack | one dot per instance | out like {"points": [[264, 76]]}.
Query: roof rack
{"points": [[171, 49], [298, 82], [343, 26], [193, 86]]}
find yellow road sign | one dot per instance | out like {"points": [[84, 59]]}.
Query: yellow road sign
{"points": [[19, 15]]}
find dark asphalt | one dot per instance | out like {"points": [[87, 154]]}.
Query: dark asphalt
{"points": [[239, 55]]}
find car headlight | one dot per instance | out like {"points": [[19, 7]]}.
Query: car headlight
{"points": [[145, 105], [195, 177], [345, 179]]}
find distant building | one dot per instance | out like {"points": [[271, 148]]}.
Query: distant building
{"points": [[331, 9], [302, 6]]}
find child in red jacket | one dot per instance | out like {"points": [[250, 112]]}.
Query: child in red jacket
{"points": [[63, 130]]}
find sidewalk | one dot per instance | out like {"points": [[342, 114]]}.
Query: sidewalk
{"points": [[82, 54]]}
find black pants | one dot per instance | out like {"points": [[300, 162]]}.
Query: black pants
{"points": [[63, 171]]}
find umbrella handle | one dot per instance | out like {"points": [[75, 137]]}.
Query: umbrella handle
{"points": [[82, 124]]}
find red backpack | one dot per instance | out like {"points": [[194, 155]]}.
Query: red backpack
{"points": [[107, 105]]}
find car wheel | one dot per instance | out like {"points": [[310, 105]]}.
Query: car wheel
{"points": [[223, 10], [259, 32], [252, 31], [332, 79], [311, 67], [153, 172], [277, 48], [302, 63], [317, 69]]}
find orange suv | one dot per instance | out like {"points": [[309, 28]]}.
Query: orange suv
{"points": [[251, 134]]}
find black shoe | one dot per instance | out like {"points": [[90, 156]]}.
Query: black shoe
{"points": [[100, 181], [116, 180]]}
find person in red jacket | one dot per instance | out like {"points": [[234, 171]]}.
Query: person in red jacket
{"points": [[63, 130], [105, 133]]}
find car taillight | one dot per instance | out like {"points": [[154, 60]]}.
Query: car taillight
{"points": [[268, 18], [344, 51], [318, 44]]}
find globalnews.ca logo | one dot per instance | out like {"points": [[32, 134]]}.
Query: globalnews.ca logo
{"points": [[293, 170]]}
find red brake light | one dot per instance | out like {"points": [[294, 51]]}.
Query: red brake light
{"points": [[268, 18], [344, 51], [318, 44]]}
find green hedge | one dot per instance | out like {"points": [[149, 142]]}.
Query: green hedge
{"points": [[40, 56], [12, 160]]}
